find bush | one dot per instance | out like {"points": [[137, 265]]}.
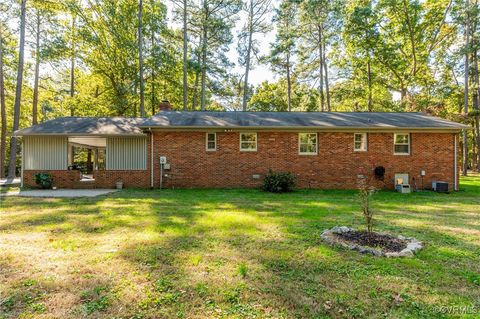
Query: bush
{"points": [[279, 182], [44, 180]]}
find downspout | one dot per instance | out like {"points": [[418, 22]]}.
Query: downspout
{"points": [[455, 186], [151, 157], [21, 162]]}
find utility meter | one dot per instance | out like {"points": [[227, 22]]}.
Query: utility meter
{"points": [[163, 160]]}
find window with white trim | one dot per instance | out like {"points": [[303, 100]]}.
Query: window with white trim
{"points": [[248, 142], [307, 143], [360, 142], [401, 144], [211, 141]]}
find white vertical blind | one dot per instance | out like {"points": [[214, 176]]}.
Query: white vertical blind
{"points": [[124, 153], [45, 152]]}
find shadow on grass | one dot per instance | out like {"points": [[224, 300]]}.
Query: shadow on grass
{"points": [[187, 247]]}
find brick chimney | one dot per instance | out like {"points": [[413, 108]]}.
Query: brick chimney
{"points": [[165, 106]]}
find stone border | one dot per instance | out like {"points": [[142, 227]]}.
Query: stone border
{"points": [[413, 244]]}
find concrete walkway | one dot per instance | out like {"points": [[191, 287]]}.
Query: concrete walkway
{"points": [[57, 193], [9, 182]]}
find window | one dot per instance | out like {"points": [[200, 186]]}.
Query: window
{"points": [[211, 143], [248, 142], [307, 143], [401, 144], [360, 142]]}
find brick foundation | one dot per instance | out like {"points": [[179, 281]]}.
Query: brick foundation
{"points": [[61, 178], [102, 179]]}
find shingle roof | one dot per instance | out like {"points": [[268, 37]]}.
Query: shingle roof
{"points": [[85, 126], [258, 120], [329, 120]]}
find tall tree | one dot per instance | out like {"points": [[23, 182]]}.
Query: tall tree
{"points": [[37, 67], [319, 20], [3, 111], [283, 49], [182, 11], [361, 38], [140, 59], [73, 46], [465, 100], [18, 92], [257, 11], [185, 49], [216, 22]]}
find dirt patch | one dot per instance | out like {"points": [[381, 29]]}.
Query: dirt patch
{"points": [[384, 242]]}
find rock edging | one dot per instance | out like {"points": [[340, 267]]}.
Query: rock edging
{"points": [[413, 245]]}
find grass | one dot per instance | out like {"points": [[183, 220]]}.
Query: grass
{"points": [[235, 254]]}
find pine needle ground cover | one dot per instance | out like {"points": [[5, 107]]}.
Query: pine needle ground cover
{"points": [[236, 254]]}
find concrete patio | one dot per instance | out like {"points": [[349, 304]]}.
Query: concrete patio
{"points": [[58, 193]]}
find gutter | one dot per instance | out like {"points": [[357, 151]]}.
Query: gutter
{"points": [[455, 168], [151, 158], [306, 128]]}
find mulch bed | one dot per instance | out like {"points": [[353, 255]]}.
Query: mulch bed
{"points": [[385, 242]]}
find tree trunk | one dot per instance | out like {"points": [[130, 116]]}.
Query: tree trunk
{"points": [[185, 48], [18, 94], [320, 54], [204, 58], [153, 77], [403, 93], [135, 102], [37, 71], [72, 65], [3, 109], [247, 61], [289, 84], [195, 91], [327, 88], [140, 59], [465, 96], [477, 108], [369, 77]]}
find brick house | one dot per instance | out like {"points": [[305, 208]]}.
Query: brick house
{"points": [[328, 150]]}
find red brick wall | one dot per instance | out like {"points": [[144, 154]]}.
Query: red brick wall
{"points": [[335, 167], [108, 179]]}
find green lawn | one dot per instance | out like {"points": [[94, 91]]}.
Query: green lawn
{"points": [[235, 254]]}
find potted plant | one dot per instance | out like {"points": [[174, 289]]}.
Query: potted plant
{"points": [[119, 184], [44, 180]]}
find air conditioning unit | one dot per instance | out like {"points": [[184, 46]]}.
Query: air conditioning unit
{"points": [[401, 184], [440, 187], [404, 189]]}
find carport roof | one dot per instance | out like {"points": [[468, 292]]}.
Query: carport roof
{"points": [[80, 126]]}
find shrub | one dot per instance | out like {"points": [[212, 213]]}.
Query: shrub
{"points": [[44, 180], [279, 182]]}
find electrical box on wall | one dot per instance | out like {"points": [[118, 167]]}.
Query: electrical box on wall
{"points": [[163, 160], [166, 166]]}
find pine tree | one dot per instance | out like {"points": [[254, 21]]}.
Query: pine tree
{"points": [[283, 49], [18, 92], [257, 12]]}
